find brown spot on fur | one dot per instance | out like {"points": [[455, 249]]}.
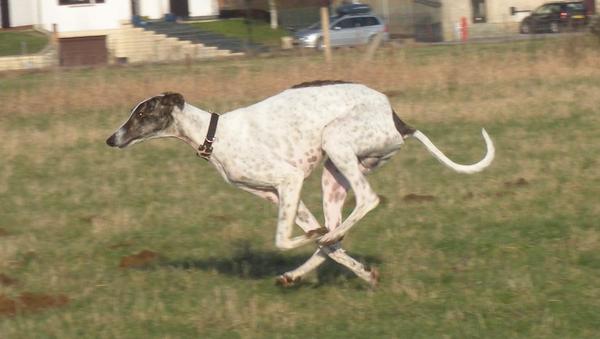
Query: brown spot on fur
{"points": [[317, 232], [402, 127], [302, 216], [412, 197], [313, 159], [333, 196], [318, 83], [30, 302], [140, 260]]}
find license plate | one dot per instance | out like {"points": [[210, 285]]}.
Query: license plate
{"points": [[577, 17]]}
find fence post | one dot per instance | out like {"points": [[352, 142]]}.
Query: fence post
{"points": [[325, 29]]}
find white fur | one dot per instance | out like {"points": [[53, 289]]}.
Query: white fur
{"points": [[269, 148]]}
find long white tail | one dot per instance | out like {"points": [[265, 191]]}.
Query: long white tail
{"points": [[485, 162]]}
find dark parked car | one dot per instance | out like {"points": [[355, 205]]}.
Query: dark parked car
{"points": [[555, 17]]}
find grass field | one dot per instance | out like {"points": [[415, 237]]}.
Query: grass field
{"points": [[19, 42], [260, 32], [510, 252]]}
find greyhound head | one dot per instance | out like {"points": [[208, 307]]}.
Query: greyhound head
{"points": [[151, 118]]}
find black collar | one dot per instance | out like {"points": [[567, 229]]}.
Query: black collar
{"points": [[205, 150]]}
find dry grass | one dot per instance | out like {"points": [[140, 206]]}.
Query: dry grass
{"points": [[226, 85], [511, 252]]}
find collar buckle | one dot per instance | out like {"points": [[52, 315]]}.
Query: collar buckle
{"points": [[206, 149]]}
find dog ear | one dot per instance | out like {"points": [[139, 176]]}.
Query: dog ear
{"points": [[172, 99]]}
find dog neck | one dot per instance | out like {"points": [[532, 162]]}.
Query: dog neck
{"points": [[192, 125]]}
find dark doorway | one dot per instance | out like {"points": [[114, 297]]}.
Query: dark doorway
{"points": [[479, 11], [83, 51], [590, 5], [5, 13], [135, 8], [180, 8]]}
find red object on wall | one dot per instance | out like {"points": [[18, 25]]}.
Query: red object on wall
{"points": [[464, 29]]}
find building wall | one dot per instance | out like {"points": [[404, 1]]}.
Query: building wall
{"points": [[22, 12], [153, 9], [399, 15], [84, 17], [156, 9], [203, 7], [497, 12]]}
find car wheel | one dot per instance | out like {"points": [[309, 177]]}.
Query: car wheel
{"points": [[554, 27], [526, 28]]}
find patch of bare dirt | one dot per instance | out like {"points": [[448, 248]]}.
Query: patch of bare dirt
{"points": [[30, 302], [468, 195], [220, 218], [6, 280], [521, 182], [383, 200], [121, 244], [3, 232], [412, 197], [143, 259]]}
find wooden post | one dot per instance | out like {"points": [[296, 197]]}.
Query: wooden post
{"points": [[325, 29], [273, 12]]}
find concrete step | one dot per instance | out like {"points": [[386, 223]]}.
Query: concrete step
{"points": [[186, 32]]}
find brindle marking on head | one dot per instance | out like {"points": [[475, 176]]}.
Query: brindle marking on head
{"points": [[152, 116], [318, 83]]}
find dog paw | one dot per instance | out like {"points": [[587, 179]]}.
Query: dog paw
{"points": [[285, 280], [374, 281]]}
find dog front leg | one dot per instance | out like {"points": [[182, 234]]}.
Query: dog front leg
{"points": [[289, 198]]}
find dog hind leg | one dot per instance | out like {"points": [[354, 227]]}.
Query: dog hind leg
{"points": [[339, 147]]}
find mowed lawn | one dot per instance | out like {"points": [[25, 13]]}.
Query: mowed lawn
{"points": [[513, 251], [21, 42]]}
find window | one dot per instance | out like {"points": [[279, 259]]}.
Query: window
{"points": [[546, 9], [369, 21], [479, 11], [346, 23], [78, 2], [578, 7]]}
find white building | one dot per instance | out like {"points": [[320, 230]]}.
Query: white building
{"points": [[90, 32], [156, 9], [93, 15]]}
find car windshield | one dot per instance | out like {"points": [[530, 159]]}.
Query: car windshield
{"points": [[542, 9]]}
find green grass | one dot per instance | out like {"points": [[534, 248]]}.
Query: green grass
{"points": [[19, 42], [509, 252], [260, 32]]}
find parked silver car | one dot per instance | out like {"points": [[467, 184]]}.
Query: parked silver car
{"points": [[344, 30]]}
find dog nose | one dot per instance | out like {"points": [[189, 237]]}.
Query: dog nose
{"points": [[111, 141]]}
